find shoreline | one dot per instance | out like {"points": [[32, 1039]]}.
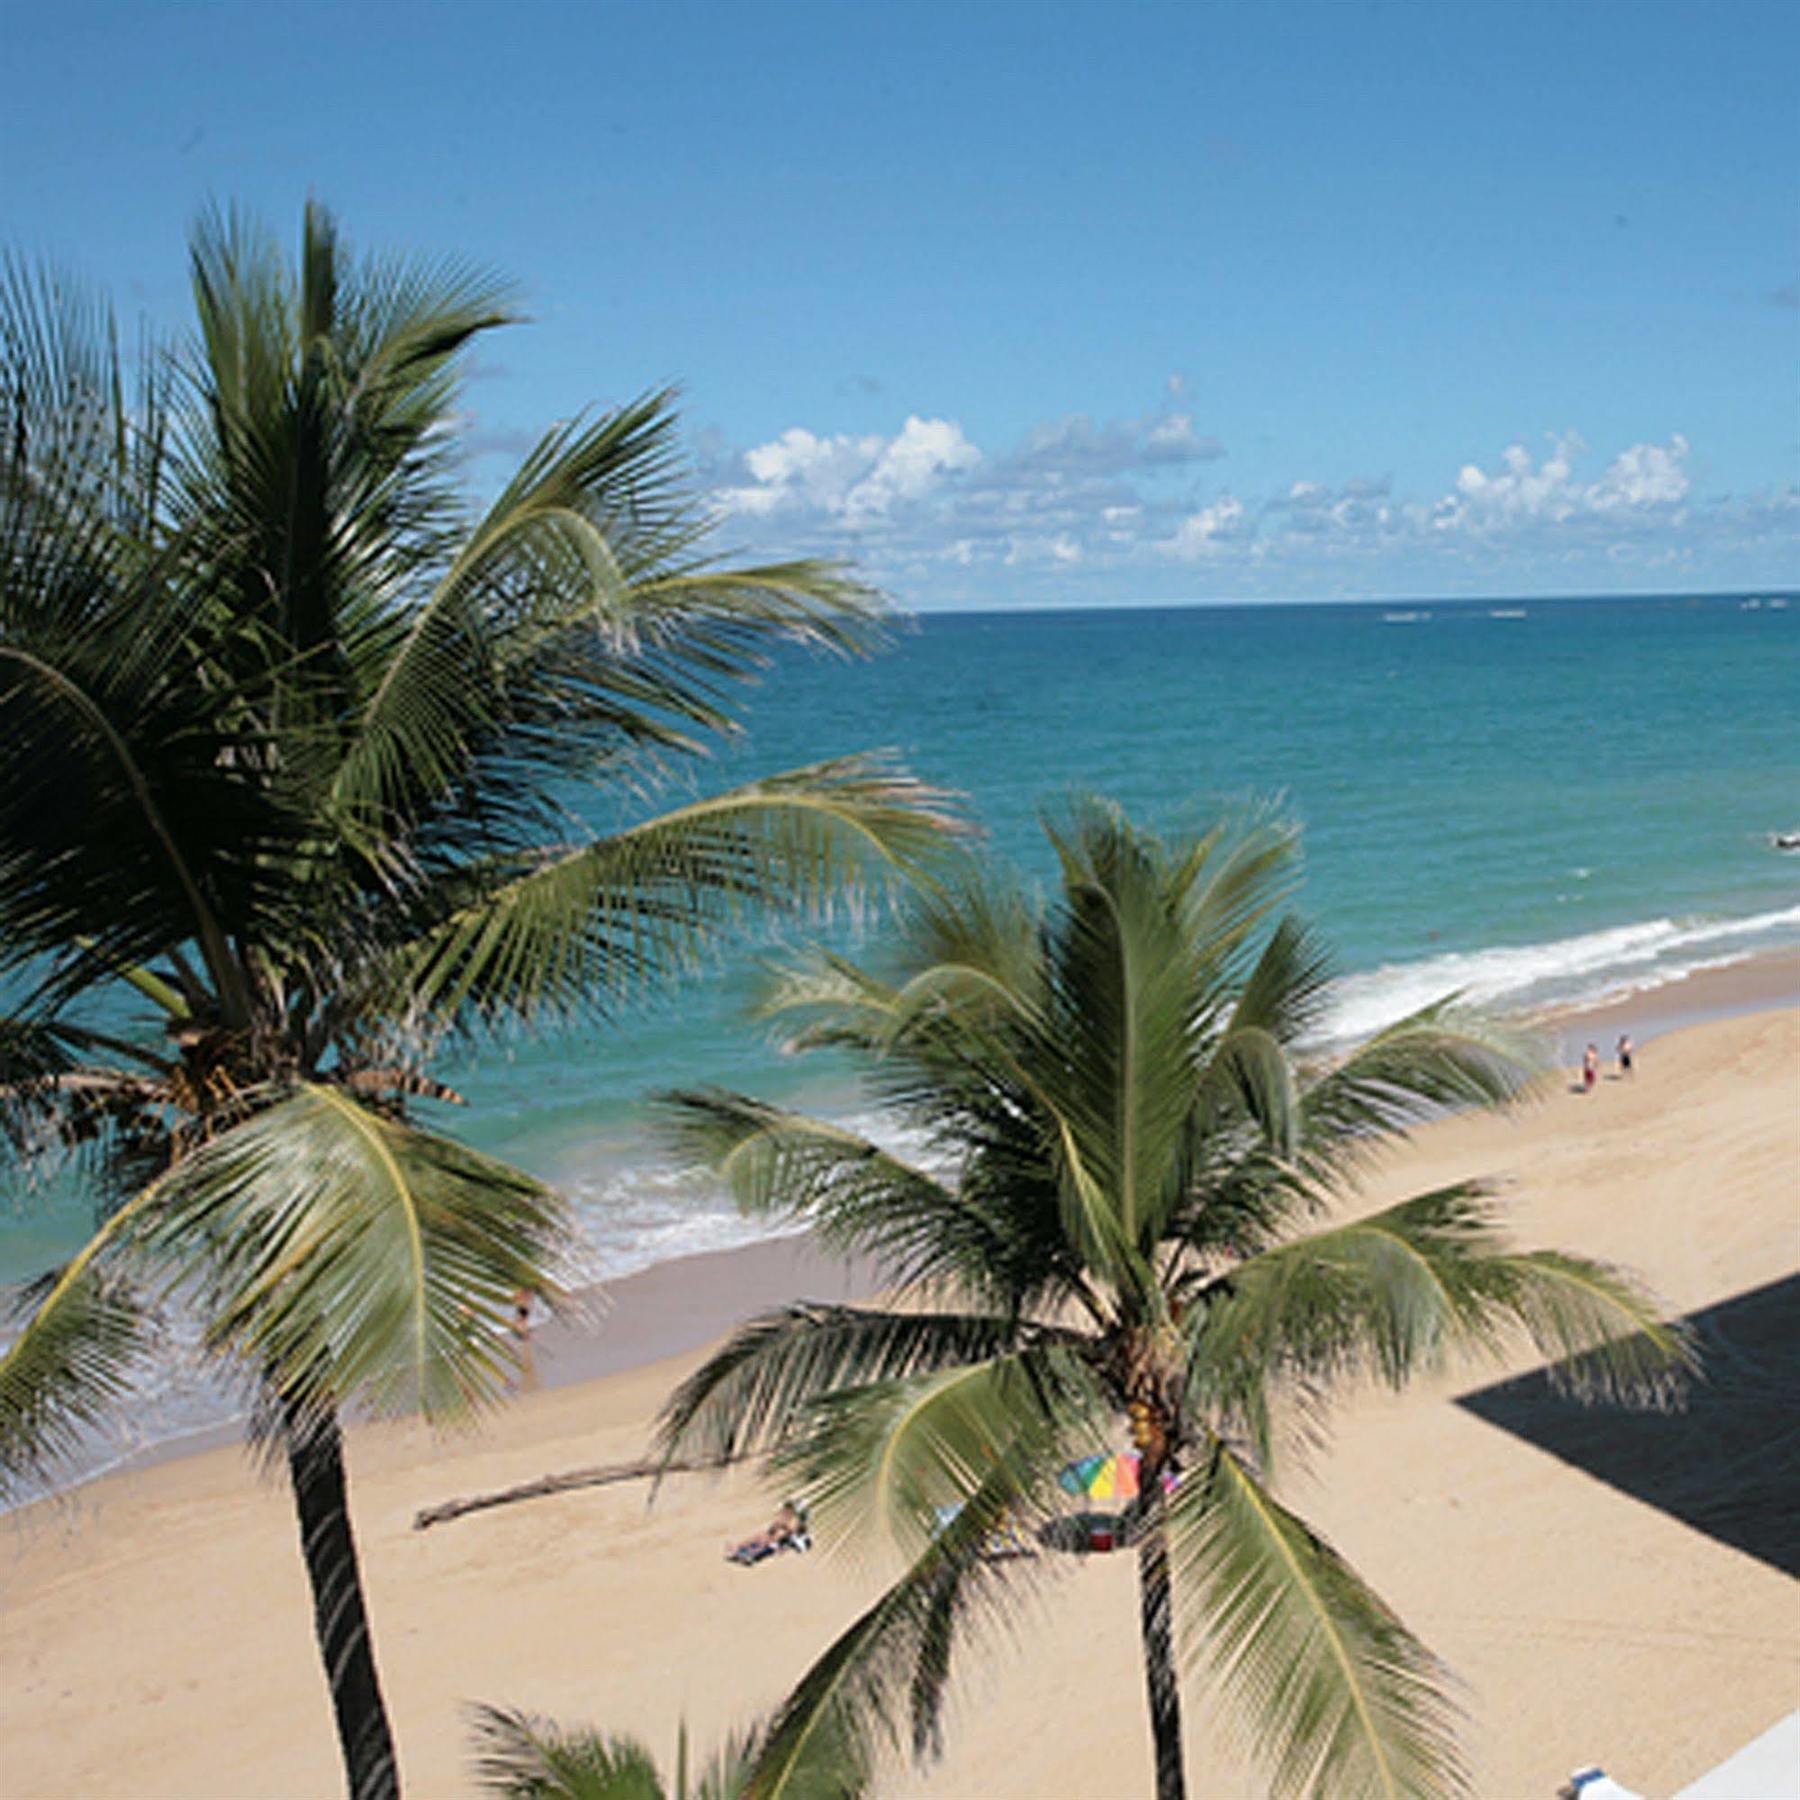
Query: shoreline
{"points": [[676, 1306], [1524, 1566]]}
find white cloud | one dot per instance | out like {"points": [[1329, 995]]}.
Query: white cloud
{"points": [[852, 478], [1078, 507], [1519, 489], [912, 464], [1523, 492], [1209, 530], [1644, 475]]}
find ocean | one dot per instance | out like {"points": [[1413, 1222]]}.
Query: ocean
{"points": [[1538, 803]]}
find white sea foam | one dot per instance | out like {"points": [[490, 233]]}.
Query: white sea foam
{"points": [[1586, 970]]}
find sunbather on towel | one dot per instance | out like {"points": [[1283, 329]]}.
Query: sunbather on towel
{"points": [[787, 1531]]}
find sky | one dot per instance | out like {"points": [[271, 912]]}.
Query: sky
{"points": [[1041, 304]]}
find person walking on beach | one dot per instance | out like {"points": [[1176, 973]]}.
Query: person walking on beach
{"points": [[1590, 1068], [1624, 1054]]}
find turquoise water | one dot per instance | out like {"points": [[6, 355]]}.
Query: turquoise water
{"points": [[1538, 802]]}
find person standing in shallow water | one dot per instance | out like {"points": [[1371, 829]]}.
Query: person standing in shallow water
{"points": [[1590, 1068], [1624, 1054]]}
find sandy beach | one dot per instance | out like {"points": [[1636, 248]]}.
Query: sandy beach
{"points": [[1608, 1588]]}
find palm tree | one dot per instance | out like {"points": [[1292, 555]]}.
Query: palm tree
{"points": [[1122, 1135], [291, 738], [519, 1757]]}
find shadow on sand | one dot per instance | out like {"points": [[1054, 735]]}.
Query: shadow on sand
{"points": [[1729, 1463]]}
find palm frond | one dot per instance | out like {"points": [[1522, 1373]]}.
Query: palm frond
{"points": [[574, 629], [753, 1393], [1392, 1293], [519, 1756], [67, 1372], [895, 1452], [839, 1004], [1123, 1013], [1228, 882], [1287, 988], [882, 1684], [855, 1195], [86, 1333], [1337, 1696], [1249, 1077], [1608, 1338], [349, 1254], [596, 923], [1440, 1057]]}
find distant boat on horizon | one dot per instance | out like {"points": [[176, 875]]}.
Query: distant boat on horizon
{"points": [[1404, 618], [1506, 612]]}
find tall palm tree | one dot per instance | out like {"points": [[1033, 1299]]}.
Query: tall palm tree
{"points": [[292, 737], [1123, 1140]]}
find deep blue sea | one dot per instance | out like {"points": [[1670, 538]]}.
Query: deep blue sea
{"points": [[1537, 802]]}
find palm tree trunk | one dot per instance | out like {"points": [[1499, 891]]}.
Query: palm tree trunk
{"points": [[315, 1453], [1159, 1651]]}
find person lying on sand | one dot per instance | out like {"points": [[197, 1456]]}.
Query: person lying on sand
{"points": [[787, 1531]]}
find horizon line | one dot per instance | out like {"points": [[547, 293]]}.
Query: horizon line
{"points": [[1410, 600]]}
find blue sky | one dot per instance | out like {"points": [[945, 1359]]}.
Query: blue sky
{"points": [[1044, 304]]}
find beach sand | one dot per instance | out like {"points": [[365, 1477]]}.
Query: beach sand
{"points": [[1608, 1588]]}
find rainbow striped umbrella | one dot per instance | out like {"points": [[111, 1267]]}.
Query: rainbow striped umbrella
{"points": [[1106, 1477]]}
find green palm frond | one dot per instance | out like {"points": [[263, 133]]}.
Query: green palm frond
{"points": [[86, 1332], [856, 1196], [69, 1369], [519, 646], [519, 1756], [596, 923], [893, 1452], [1287, 988], [350, 1254], [753, 1392], [1338, 1697], [1123, 1014], [108, 725], [1394, 1292], [1229, 882], [1439, 1057], [968, 954], [883, 1682], [1249, 1077], [1608, 1338], [574, 628]]}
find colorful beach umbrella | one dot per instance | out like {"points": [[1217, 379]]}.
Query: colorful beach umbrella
{"points": [[1112, 1476], [1107, 1477]]}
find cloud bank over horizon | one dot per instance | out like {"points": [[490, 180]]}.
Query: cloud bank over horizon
{"points": [[1080, 510]]}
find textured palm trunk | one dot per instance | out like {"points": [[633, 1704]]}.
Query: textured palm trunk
{"points": [[315, 1453], [1160, 1681]]}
